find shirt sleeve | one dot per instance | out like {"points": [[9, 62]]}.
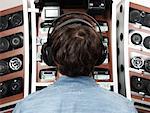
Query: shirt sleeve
{"points": [[17, 108]]}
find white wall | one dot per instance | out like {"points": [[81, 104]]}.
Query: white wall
{"points": [[6, 4], [142, 2]]}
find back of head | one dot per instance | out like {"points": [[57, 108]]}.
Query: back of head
{"points": [[76, 48]]}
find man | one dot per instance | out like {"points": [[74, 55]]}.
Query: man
{"points": [[76, 49]]}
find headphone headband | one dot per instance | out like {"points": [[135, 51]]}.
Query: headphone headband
{"points": [[75, 15], [75, 20]]}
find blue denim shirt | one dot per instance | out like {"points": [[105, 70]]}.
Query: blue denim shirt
{"points": [[75, 95]]}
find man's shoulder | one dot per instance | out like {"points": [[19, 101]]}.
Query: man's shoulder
{"points": [[115, 101], [40, 95], [110, 95], [33, 102]]}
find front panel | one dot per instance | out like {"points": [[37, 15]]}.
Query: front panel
{"points": [[139, 53], [134, 53], [101, 11], [13, 55]]}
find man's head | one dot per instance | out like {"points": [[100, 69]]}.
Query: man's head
{"points": [[75, 45]]}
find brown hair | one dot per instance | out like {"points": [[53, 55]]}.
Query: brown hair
{"points": [[75, 49]]}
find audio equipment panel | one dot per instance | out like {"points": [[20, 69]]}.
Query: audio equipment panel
{"points": [[104, 18], [139, 39], [134, 52], [48, 15], [11, 87], [98, 7], [140, 85], [11, 42], [101, 74], [48, 11], [12, 20], [11, 64], [77, 4], [11, 55], [139, 53], [139, 16], [48, 74]]}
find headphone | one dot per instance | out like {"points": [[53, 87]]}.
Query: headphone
{"points": [[67, 19]]}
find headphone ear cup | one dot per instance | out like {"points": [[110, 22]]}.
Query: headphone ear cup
{"points": [[103, 55], [47, 54]]}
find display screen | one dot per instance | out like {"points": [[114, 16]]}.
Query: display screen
{"points": [[68, 4], [51, 13]]}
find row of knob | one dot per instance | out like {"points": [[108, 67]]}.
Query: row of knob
{"points": [[11, 87], [11, 42], [138, 62], [141, 17], [11, 20], [139, 84], [11, 64]]}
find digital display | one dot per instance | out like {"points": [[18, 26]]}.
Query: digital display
{"points": [[68, 4], [51, 13]]}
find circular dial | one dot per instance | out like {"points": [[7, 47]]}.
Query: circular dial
{"points": [[137, 62], [137, 83], [16, 19], [15, 63], [135, 16], [4, 44], [3, 67], [146, 20], [136, 38], [16, 40], [3, 23], [147, 65], [146, 42], [15, 86]]}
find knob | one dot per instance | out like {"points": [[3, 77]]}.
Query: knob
{"points": [[137, 62], [146, 42], [134, 16], [3, 90], [16, 41], [4, 68], [4, 45], [16, 19], [136, 38]]}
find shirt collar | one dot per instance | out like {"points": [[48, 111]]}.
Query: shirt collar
{"points": [[80, 80]]}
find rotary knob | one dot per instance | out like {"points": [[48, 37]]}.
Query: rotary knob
{"points": [[16, 85], [3, 90], [137, 84], [15, 63], [4, 45], [16, 19], [16, 41], [146, 20], [4, 68], [134, 16], [136, 38], [3, 23], [147, 65], [137, 62], [146, 42]]}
